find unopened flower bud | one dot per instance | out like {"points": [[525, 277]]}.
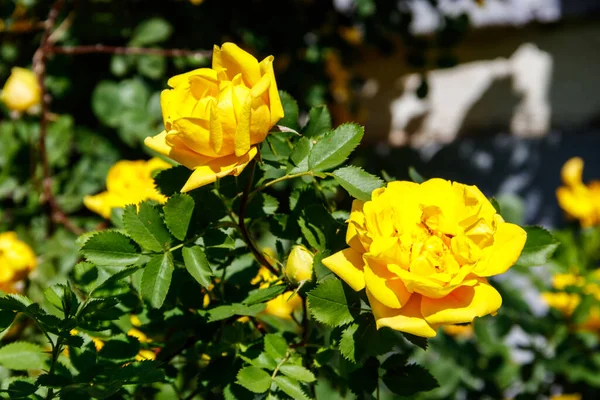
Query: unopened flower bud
{"points": [[299, 265]]}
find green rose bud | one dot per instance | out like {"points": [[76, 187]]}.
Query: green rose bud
{"points": [[299, 265]]}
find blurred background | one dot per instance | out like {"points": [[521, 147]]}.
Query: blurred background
{"points": [[497, 93]]}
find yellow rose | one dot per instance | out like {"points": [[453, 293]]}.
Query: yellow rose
{"points": [[566, 302], [21, 90], [299, 265], [575, 198], [128, 182], [215, 117], [16, 261], [423, 253]]}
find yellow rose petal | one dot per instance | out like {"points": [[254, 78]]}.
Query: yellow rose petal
{"points": [[385, 286], [572, 172], [218, 168], [236, 61], [266, 68], [406, 319], [509, 241], [462, 305], [348, 265]]}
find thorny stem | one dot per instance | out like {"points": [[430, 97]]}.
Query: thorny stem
{"points": [[262, 260], [102, 49], [39, 67]]}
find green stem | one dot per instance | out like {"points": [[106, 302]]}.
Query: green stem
{"points": [[56, 349], [275, 181], [262, 260], [283, 360]]}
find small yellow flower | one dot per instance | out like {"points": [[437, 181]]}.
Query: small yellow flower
{"points": [[215, 118], [17, 260], [566, 303], [299, 265], [578, 200], [128, 182], [21, 91], [284, 305], [424, 253], [196, 2]]}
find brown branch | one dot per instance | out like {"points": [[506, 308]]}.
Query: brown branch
{"points": [[102, 49], [262, 260], [39, 67]]}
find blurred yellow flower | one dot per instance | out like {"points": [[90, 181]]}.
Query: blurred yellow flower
{"points": [[299, 265], [215, 117], [128, 182], [566, 302], [282, 306], [21, 91], [196, 2], [574, 396], [424, 253], [578, 200], [17, 260], [459, 331]]}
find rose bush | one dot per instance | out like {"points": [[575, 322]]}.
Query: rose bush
{"points": [[175, 295]]}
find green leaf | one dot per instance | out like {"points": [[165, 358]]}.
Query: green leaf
{"points": [[197, 265], [15, 302], [409, 380], [110, 248], [335, 147], [121, 347], [299, 156], [178, 214], [263, 295], [254, 379], [152, 66], [151, 31], [539, 247], [6, 318], [156, 279], [416, 340], [319, 122], [414, 175], [114, 285], [291, 387], [101, 310], [362, 340], [224, 312], [275, 346], [290, 109], [106, 103], [19, 389], [146, 227], [297, 372], [22, 356], [328, 303], [357, 182], [170, 181]]}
